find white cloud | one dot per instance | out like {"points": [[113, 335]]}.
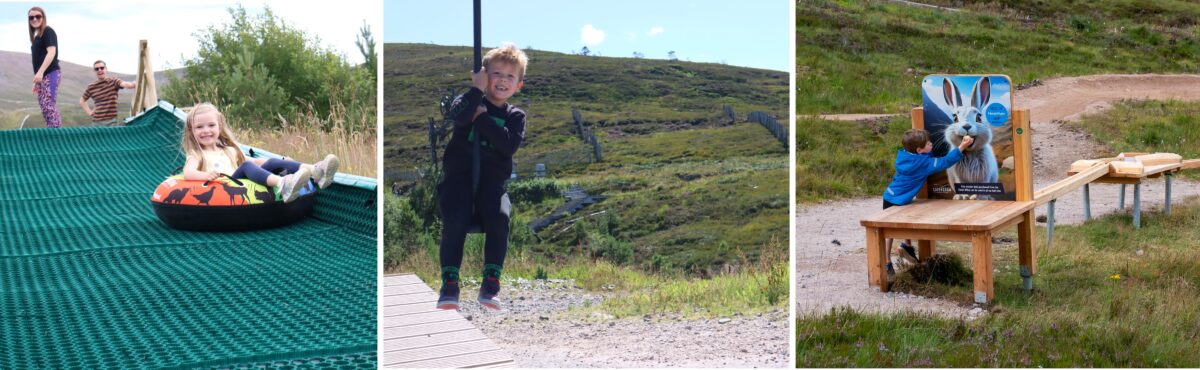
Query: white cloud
{"points": [[654, 31], [109, 32], [591, 36]]}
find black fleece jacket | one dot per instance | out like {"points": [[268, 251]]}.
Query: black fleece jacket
{"points": [[500, 141]]}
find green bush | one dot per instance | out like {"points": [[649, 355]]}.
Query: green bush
{"points": [[403, 231], [262, 71], [534, 190]]}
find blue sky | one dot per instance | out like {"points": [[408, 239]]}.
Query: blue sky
{"points": [[110, 30], [751, 33]]}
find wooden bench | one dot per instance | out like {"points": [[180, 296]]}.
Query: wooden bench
{"points": [[974, 221], [1129, 179]]}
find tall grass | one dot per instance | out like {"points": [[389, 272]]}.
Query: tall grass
{"points": [[308, 138], [1106, 295], [632, 292]]}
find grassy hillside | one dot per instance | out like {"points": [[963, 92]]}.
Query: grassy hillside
{"points": [[688, 190], [17, 99], [869, 56], [619, 95]]}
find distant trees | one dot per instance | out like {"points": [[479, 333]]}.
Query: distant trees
{"points": [[585, 51], [671, 56], [638, 55]]}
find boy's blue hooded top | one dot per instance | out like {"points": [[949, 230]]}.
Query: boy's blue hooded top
{"points": [[911, 172]]}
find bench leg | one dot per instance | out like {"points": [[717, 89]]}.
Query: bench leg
{"points": [[1167, 208], [1137, 206], [981, 264], [925, 249], [1087, 202], [1026, 250], [1121, 198], [876, 259], [1050, 223]]}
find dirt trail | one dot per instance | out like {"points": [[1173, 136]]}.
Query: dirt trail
{"points": [[540, 331], [830, 258]]}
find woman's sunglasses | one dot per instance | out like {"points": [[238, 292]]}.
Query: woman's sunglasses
{"points": [[37, 17]]}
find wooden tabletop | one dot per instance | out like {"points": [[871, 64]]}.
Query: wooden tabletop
{"points": [[1149, 171], [946, 214]]}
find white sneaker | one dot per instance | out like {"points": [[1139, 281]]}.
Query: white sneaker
{"points": [[324, 171], [290, 185]]}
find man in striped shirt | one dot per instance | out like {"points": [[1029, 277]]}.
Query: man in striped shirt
{"points": [[103, 93]]}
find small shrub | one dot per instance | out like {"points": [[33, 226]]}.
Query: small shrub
{"points": [[534, 190]]}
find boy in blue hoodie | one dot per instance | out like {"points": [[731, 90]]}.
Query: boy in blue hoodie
{"points": [[913, 167]]}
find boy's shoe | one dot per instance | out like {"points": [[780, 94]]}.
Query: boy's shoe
{"points": [[448, 296], [324, 171], [290, 185], [908, 253], [488, 291], [891, 272]]}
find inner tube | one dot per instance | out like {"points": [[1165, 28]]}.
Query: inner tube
{"points": [[226, 204]]}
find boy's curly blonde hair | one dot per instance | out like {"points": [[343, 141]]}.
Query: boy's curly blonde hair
{"points": [[508, 53]]}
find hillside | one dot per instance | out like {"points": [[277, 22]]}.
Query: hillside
{"points": [[687, 187], [609, 91], [865, 57], [17, 99]]}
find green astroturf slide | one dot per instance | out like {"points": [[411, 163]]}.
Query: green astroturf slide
{"points": [[91, 279]]}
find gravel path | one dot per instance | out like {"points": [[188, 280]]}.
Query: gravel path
{"points": [[539, 331], [830, 257]]}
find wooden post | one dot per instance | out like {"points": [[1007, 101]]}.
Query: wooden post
{"points": [[146, 94], [1023, 162], [981, 264], [925, 248], [876, 263]]}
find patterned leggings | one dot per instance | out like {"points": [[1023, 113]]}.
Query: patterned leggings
{"points": [[47, 93]]}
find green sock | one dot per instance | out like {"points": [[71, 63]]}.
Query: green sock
{"points": [[492, 270], [449, 274]]}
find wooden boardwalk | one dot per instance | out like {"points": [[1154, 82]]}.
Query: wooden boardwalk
{"points": [[413, 333]]}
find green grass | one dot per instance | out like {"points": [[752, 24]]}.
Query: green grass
{"points": [[1105, 295], [869, 57], [1148, 126], [840, 159], [686, 187], [615, 94], [754, 287]]}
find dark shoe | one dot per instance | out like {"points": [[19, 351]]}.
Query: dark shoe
{"points": [[909, 254], [488, 291], [891, 271], [448, 296]]}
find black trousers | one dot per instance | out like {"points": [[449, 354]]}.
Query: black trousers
{"points": [[489, 207]]}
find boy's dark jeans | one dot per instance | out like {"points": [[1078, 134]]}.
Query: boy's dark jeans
{"points": [[494, 208]]}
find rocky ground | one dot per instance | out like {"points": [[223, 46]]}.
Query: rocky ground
{"points": [[540, 329]]}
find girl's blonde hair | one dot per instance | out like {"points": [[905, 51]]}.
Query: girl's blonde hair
{"points": [[34, 33], [225, 139]]}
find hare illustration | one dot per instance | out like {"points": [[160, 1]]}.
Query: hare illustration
{"points": [[978, 162]]}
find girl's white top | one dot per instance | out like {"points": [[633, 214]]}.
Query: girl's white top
{"points": [[219, 160]]}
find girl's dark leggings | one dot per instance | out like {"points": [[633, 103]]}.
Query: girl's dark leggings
{"points": [[492, 209], [273, 166]]}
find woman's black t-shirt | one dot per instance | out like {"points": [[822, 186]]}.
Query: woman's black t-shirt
{"points": [[48, 39]]}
